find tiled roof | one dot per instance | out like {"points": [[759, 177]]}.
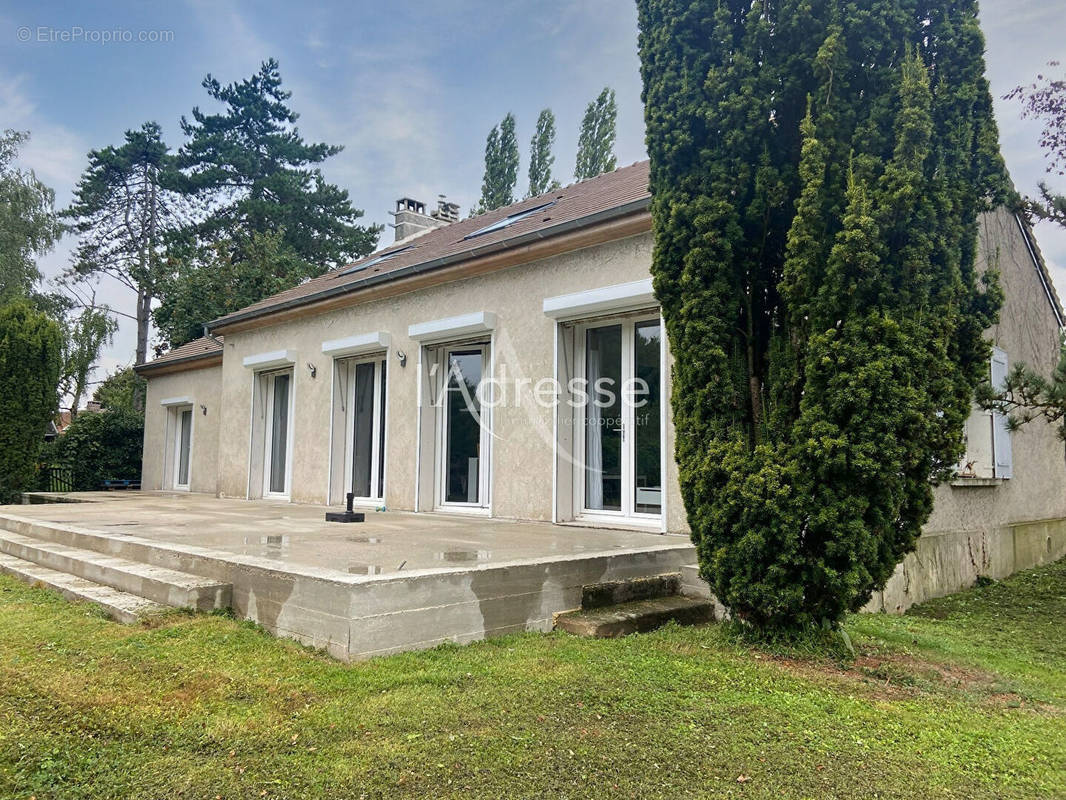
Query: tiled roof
{"points": [[192, 351], [613, 191]]}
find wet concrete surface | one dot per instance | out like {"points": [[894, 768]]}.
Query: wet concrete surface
{"points": [[386, 543]]}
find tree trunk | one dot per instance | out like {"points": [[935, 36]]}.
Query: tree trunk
{"points": [[75, 400], [144, 307]]}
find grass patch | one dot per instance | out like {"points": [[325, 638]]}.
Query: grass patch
{"points": [[963, 698]]}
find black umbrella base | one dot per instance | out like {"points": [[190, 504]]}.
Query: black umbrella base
{"points": [[345, 516]]}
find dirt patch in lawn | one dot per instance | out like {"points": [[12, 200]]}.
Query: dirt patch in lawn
{"points": [[899, 676]]}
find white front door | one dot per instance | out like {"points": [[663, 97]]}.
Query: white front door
{"points": [[277, 458], [618, 421]]}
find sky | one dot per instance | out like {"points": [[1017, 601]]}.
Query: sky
{"points": [[410, 89]]}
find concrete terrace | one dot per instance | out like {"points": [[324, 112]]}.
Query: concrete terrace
{"points": [[395, 582]]}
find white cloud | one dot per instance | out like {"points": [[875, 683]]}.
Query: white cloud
{"points": [[57, 155]]}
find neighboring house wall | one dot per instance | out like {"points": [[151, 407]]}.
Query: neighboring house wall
{"points": [[988, 526], [203, 388]]}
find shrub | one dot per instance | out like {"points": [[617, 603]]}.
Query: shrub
{"points": [[101, 445], [31, 356]]}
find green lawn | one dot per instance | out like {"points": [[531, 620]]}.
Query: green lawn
{"points": [[965, 697]]}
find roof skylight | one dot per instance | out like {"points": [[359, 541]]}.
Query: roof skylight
{"points": [[377, 260], [500, 224]]}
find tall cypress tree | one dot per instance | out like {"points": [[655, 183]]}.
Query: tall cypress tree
{"points": [[595, 144], [541, 157], [816, 174], [31, 356], [501, 166]]}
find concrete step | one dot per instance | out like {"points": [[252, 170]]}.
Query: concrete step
{"points": [[692, 585], [611, 593], [120, 544], [635, 617], [120, 606], [158, 584]]}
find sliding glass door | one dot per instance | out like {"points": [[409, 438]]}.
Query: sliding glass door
{"points": [[619, 420]]}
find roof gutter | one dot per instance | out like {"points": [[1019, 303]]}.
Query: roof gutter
{"points": [[1041, 269], [607, 215], [154, 366]]}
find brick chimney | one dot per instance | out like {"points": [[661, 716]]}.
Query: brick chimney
{"points": [[411, 217]]}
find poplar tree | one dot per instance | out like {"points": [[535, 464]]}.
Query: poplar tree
{"points": [[501, 166], [595, 144], [541, 157], [816, 173]]}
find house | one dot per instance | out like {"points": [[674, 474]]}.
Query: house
{"points": [[58, 425], [514, 365]]}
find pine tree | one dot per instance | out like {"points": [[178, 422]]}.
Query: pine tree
{"points": [[253, 175], [501, 166], [595, 145], [123, 214], [255, 172], [815, 202], [541, 157]]}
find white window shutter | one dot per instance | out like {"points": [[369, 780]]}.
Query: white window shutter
{"points": [[1000, 434]]}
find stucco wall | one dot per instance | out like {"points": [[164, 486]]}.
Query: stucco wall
{"points": [[204, 386], [1028, 332], [985, 527], [974, 529], [524, 348]]}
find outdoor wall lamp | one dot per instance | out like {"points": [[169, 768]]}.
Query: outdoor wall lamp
{"points": [[313, 368], [400, 354], [203, 409]]}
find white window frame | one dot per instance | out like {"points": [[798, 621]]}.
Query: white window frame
{"points": [[988, 452], [440, 355], [268, 379], [378, 467], [628, 512], [1002, 455], [178, 412]]}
